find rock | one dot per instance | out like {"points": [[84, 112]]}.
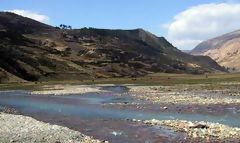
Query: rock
{"points": [[199, 126], [116, 133], [134, 120], [165, 107]]}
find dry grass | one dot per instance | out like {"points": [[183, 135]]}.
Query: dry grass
{"points": [[152, 79]]}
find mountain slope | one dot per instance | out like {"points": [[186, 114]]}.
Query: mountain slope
{"points": [[34, 51], [224, 49]]}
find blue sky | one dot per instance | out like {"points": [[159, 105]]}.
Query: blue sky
{"points": [[151, 15]]}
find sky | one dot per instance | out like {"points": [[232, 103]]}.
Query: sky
{"points": [[185, 23]]}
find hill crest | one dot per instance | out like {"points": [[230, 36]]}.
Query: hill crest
{"points": [[35, 51]]}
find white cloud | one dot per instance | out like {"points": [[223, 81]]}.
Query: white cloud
{"points": [[202, 22], [32, 15]]}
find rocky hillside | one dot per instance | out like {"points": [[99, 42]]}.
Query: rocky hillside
{"points": [[34, 51], [224, 49]]}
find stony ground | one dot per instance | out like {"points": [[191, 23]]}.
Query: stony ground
{"points": [[65, 89], [192, 95], [204, 130], [21, 129], [189, 94]]}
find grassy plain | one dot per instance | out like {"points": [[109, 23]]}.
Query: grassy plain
{"points": [[163, 79]]}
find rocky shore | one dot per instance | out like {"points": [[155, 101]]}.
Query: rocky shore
{"points": [[201, 130], [21, 129], [156, 99], [66, 89], [184, 95]]}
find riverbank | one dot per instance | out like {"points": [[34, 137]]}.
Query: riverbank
{"points": [[105, 111], [201, 130], [65, 89], [22, 129], [198, 94]]}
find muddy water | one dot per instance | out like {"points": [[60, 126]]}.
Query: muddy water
{"points": [[87, 113]]}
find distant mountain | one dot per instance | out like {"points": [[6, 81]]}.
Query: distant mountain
{"points": [[224, 49], [186, 51], [34, 51]]}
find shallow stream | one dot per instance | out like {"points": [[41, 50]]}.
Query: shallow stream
{"points": [[88, 114]]}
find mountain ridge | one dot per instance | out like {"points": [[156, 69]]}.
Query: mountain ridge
{"points": [[35, 51], [223, 49]]}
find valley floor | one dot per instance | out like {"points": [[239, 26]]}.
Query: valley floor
{"points": [[171, 108]]}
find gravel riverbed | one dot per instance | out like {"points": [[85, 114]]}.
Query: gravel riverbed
{"points": [[22, 129], [65, 89], [202, 130], [220, 100], [184, 95]]}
